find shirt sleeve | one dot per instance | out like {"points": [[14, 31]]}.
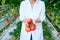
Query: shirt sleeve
{"points": [[42, 13], [21, 12]]}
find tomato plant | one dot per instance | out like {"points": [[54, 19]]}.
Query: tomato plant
{"points": [[17, 31], [8, 20], [15, 15]]}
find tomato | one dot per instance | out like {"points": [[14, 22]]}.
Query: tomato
{"points": [[29, 20], [28, 29], [59, 33], [33, 28], [8, 20], [27, 25]]}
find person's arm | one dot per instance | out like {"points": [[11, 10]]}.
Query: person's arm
{"points": [[42, 15], [21, 11]]}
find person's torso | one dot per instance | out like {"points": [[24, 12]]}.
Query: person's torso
{"points": [[34, 12]]}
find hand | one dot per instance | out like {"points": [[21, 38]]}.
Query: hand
{"points": [[37, 21], [25, 20]]}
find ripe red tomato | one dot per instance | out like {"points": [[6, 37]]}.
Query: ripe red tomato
{"points": [[59, 33], [33, 28], [28, 29], [29, 20], [8, 20], [30, 26]]}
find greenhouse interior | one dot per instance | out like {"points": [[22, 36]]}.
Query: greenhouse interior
{"points": [[10, 26]]}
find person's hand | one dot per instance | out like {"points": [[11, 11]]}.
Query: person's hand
{"points": [[37, 21], [24, 20]]}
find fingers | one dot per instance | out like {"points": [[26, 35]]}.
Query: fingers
{"points": [[25, 20], [37, 20], [34, 22]]}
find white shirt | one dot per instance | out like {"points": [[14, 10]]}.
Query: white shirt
{"points": [[38, 11]]}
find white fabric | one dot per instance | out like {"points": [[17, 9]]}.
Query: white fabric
{"points": [[28, 0], [38, 11]]}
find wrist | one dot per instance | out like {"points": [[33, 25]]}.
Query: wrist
{"points": [[37, 21], [24, 20]]}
